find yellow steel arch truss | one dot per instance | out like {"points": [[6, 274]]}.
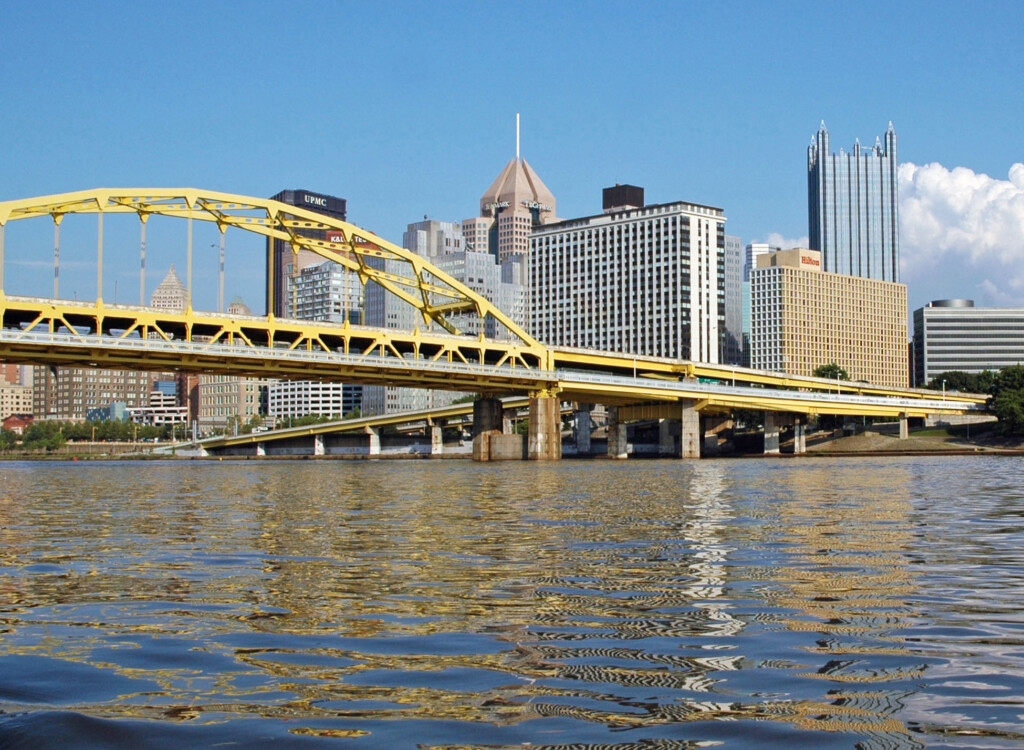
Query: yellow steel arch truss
{"points": [[437, 296]]}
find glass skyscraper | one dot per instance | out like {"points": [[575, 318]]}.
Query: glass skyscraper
{"points": [[853, 211]]}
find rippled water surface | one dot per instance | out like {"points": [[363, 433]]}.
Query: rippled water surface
{"points": [[816, 603]]}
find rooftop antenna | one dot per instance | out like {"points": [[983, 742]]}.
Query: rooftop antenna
{"points": [[517, 136]]}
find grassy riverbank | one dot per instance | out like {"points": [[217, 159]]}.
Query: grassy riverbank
{"points": [[885, 438]]}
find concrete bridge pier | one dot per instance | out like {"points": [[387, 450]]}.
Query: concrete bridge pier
{"points": [[318, 445], [374, 435], [800, 435], [545, 435], [691, 433], [583, 428], [487, 421], [772, 421], [436, 439], [617, 440], [666, 439]]}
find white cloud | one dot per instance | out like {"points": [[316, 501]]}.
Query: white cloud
{"points": [[962, 233], [777, 240]]}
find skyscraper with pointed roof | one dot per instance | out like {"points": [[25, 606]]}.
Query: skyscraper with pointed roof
{"points": [[853, 207], [170, 294], [516, 202]]}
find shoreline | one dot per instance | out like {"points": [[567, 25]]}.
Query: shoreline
{"points": [[869, 442]]}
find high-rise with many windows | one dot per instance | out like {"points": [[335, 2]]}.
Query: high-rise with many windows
{"points": [[804, 318], [753, 251], [852, 204], [952, 335], [636, 279], [732, 341]]}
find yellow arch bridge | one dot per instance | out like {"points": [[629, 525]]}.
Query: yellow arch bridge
{"points": [[438, 354]]}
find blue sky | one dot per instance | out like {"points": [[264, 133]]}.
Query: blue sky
{"points": [[408, 109]]}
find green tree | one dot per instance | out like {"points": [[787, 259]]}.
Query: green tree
{"points": [[1007, 401], [985, 381], [954, 380], [47, 436], [251, 424], [832, 371], [1008, 407], [1009, 379], [8, 439]]}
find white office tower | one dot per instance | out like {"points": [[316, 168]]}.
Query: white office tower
{"points": [[636, 279], [441, 243], [298, 398], [327, 292]]}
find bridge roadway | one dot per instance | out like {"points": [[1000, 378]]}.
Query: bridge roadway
{"points": [[71, 333], [66, 333]]}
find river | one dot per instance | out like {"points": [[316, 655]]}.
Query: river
{"points": [[806, 602]]}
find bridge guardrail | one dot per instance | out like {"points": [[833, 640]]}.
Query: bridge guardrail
{"points": [[539, 376]]}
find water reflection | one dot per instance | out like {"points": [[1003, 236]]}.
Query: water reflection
{"points": [[448, 604]]}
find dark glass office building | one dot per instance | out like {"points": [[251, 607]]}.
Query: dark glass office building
{"points": [[280, 258], [853, 207]]}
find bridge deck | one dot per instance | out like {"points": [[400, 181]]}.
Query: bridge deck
{"points": [[71, 333]]}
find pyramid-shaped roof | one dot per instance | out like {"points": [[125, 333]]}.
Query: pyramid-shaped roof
{"points": [[517, 184], [170, 293]]}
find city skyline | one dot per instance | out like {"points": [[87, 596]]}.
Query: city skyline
{"points": [[403, 124]]}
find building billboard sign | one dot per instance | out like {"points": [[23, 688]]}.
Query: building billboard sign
{"points": [[327, 204]]}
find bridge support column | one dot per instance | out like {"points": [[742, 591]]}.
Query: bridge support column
{"points": [[318, 445], [436, 440], [800, 435], [691, 434], [261, 449], [666, 440], [771, 432], [374, 434], [487, 421], [617, 440], [545, 436], [904, 426], [583, 428], [487, 415]]}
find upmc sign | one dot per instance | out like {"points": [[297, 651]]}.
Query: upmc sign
{"points": [[326, 204]]}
